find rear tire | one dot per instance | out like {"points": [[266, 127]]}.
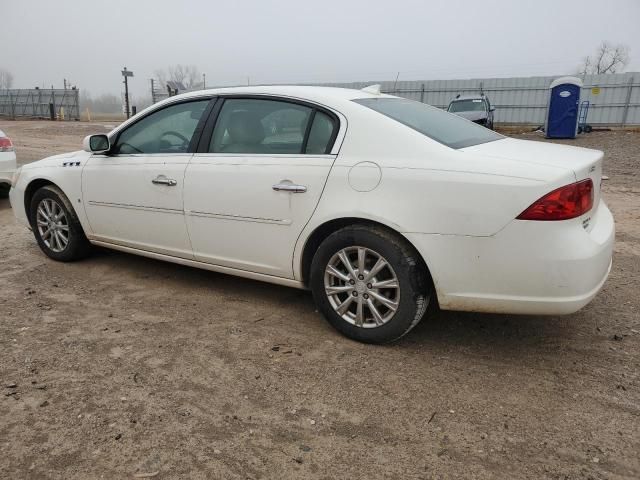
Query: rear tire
{"points": [[56, 226], [381, 296], [4, 190]]}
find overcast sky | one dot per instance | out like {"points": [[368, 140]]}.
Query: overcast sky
{"points": [[275, 41]]}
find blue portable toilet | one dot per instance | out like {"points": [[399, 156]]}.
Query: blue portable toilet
{"points": [[562, 112]]}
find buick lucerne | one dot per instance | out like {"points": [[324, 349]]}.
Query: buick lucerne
{"points": [[380, 205]]}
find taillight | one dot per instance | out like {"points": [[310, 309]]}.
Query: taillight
{"points": [[6, 145], [566, 202]]}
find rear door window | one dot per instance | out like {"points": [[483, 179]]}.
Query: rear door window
{"points": [[254, 126], [271, 127]]}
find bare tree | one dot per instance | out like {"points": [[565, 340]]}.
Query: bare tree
{"points": [[607, 59], [6, 78], [188, 75], [105, 103]]}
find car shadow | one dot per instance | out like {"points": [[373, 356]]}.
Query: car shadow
{"points": [[191, 277], [4, 203], [516, 339], [497, 336]]}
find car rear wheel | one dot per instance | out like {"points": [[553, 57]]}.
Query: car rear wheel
{"points": [[56, 225], [369, 284]]}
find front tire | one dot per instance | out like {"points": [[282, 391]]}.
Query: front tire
{"points": [[369, 284], [56, 226]]}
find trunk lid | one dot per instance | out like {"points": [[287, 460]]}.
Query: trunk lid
{"points": [[584, 162]]}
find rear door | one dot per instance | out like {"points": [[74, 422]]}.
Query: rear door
{"points": [[257, 181]]}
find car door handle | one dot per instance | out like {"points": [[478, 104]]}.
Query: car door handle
{"points": [[289, 187], [162, 180]]}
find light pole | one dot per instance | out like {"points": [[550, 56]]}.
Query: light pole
{"points": [[126, 74]]}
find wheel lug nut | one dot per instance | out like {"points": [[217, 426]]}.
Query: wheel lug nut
{"points": [[360, 277], [369, 285], [355, 294], [352, 282]]}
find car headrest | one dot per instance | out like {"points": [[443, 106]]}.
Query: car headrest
{"points": [[245, 128]]}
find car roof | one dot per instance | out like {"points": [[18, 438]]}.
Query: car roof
{"points": [[335, 98], [469, 97], [318, 94]]}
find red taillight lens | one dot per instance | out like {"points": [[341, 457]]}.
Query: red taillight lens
{"points": [[566, 202], [6, 145]]}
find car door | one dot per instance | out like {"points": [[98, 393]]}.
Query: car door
{"points": [[256, 180], [133, 196]]}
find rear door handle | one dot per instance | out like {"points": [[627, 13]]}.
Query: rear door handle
{"points": [[162, 180], [287, 186]]}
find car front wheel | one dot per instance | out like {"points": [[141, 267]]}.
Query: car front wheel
{"points": [[370, 284], [56, 225]]}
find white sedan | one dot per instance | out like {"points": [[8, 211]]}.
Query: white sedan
{"points": [[7, 163], [380, 205]]}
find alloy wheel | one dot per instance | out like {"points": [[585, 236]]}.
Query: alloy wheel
{"points": [[362, 287], [53, 225]]}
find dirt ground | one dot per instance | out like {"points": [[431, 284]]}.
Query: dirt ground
{"points": [[125, 367]]}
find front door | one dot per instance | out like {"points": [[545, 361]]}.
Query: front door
{"points": [[249, 197], [134, 195]]}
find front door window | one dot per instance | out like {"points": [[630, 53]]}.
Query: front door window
{"points": [[166, 131]]}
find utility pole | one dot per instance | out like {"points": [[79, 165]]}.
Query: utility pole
{"points": [[204, 81], [126, 74]]}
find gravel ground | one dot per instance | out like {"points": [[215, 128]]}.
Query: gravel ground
{"points": [[125, 367]]}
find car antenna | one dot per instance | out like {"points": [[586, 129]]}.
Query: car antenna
{"points": [[458, 96], [375, 89]]}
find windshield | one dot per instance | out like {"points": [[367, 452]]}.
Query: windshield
{"points": [[443, 127], [473, 105]]}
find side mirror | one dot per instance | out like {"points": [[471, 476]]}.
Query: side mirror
{"points": [[96, 143], [492, 108]]}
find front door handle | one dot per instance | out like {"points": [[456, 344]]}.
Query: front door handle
{"points": [[162, 180], [288, 186]]}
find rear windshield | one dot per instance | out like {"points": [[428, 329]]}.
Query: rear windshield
{"points": [[475, 105], [443, 127]]}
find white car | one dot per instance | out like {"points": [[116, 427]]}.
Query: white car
{"points": [[7, 163], [378, 204]]}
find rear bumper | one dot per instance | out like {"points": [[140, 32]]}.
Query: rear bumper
{"points": [[7, 166], [541, 268]]}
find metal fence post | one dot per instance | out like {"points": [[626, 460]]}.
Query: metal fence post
{"points": [[76, 104], [52, 105], [627, 102], [13, 108], [422, 94]]}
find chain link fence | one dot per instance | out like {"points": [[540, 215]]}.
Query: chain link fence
{"points": [[59, 104]]}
